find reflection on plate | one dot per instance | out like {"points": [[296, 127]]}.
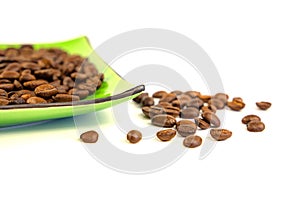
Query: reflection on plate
{"points": [[114, 90]]}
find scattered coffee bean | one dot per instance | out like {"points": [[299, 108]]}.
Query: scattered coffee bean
{"points": [[45, 91], [205, 98], [35, 100], [163, 120], [219, 104], [236, 105], [166, 135], [89, 137], [134, 136], [249, 118], [237, 99], [220, 134], [3, 93], [211, 118], [196, 103], [164, 104], [192, 141], [209, 108], [176, 92], [138, 99], [3, 102], [255, 126], [148, 101], [263, 105], [222, 96], [168, 98], [65, 98], [193, 94], [189, 113], [159, 94], [201, 123], [186, 129]]}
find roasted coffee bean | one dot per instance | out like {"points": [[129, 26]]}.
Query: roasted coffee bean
{"points": [[3, 81], [193, 94], [27, 77], [210, 108], [159, 94], [168, 98], [7, 86], [163, 120], [67, 81], [18, 85], [183, 100], [250, 118], [176, 92], [237, 99], [219, 104], [263, 105], [3, 93], [236, 105], [205, 98], [211, 118], [222, 96], [10, 75], [146, 111], [189, 113], [192, 141], [134, 136], [186, 129], [81, 93], [152, 111], [196, 103], [255, 126], [89, 137], [184, 121], [45, 90], [16, 101], [13, 67], [164, 104], [27, 96], [148, 101], [65, 98], [4, 102], [35, 100], [33, 84], [166, 135], [138, 99], [220, 134], [176, 103], [171, 110], [201, 123]]}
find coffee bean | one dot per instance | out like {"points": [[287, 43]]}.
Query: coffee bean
{"points": [[35, 100], [201, 123], [134, 136], [17, 101], [193, 94], [166, 135], [3, 93], [211, 118], [18, 85], [210, 108], [7, 86], [168, 98], [186, 129], [263, 105], [184, 121], [176, 92], [205, 98], [27, 77], [163, 104], [13, 67], [45, 90], [33, 84], [196, 103], [249, 118], [159, 94], [62, 89], [237, 99], [171, 110], [65, 98], [236, 105], [148, 101], [255, 126], [176, 103], [163, 120], [222, 96], [217, 102], [89, 137], [10, 75], [220, 134], [192, 141], [153, 110], [189, 113], [138, 99]]}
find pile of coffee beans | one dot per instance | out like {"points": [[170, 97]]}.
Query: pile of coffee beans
{"points": [[29, 76], [254, 123]]}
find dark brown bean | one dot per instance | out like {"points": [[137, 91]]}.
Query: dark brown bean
{"points": [[201, 123], [152, 111], [18, 85], [148, 101], [211, 118], [176, 103], [186, 129], [65, 98], [81, 93], [184, 121], [171, 110], [193, 94], [35, 100], [163, 120], [33, 84], [176, 92], [13, 67], [255, 126], [192, 141], [189, 113], [168, 98], [205, 98], [134, 136], [237, 99], [263, 105], [159, 94], [222, 96], [196, 103], [138, 99], [10, 75], [45, 90], [7, 86], [210, 108], [249, 118], [27, 77], [166, 135], [89, 137], [4, 102], [164, 104], [3, 93], [18, 100], [236, 105], [217, 102], [220, 134]]}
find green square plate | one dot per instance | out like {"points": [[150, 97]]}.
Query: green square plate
{"points": [[114, 90]]}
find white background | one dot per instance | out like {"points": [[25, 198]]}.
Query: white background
{"points": [[255, 46]]}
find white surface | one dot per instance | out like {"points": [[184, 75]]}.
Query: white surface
{"points": [[255, 46]]}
